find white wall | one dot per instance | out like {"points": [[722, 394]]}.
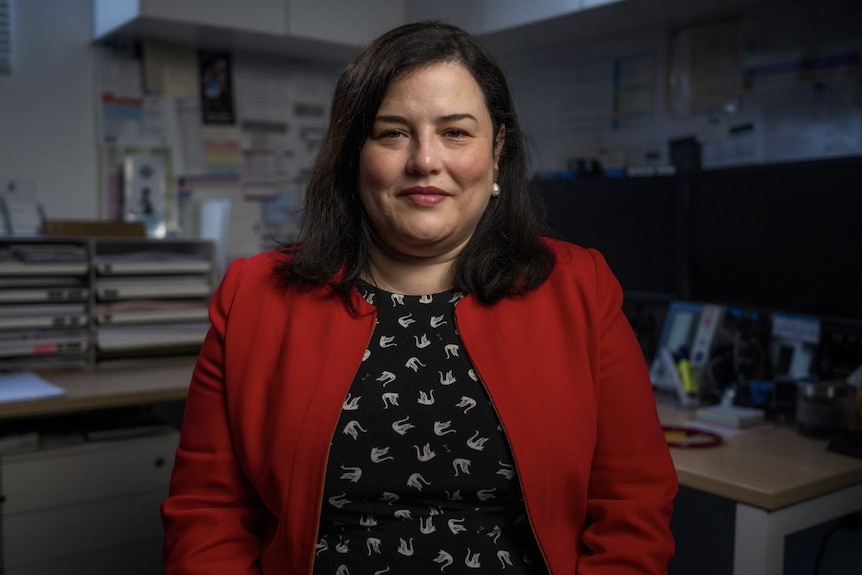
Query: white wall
{"points": [[49, 124], [47, 107], [565, 93]]}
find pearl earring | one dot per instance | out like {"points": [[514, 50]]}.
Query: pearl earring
{"points": [[495, 190]]}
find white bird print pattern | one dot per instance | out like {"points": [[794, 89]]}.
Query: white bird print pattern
{"points": [[373, 545], [389, 498], [405, 547], [386, 378], [444, 559], [321, 546], [455, 525], [427, 454], [443, 427], [426, 525], [448, 378], [472, 560], [380, 454], [339, 501], [353, 428], [477, 443], [426, 398], [461, 465], [467, 403], [402, 426], [351, 403], [414, 363], [430, 464], [389, 399], [417, 482], [352, 474]]}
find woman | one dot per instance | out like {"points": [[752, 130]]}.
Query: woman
{"points": [[424, 384]]}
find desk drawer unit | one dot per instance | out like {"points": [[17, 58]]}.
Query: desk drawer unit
{"points": [[86, 509]]}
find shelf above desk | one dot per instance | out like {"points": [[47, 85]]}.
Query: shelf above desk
{"points": [[108, 387], [769, 467]]}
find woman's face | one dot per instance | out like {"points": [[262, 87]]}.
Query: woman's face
{"points": [[427, 167]]}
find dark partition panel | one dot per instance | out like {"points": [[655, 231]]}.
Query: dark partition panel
{"points": [[780, 236], [784, 237], [636, 223]]}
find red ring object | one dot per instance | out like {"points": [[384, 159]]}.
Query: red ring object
{"points": [[702, 438]]}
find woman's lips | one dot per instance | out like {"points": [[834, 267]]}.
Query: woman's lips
{"points": [[424, 196]]}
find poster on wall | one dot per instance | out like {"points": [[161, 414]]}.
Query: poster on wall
{"points": [[216, 87], [128, 172], [703, 72], [144, 188]]}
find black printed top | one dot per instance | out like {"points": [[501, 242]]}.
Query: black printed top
{"points": [[420, 476]]}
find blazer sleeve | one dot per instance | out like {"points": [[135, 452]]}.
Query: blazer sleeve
{"points": [[632, 480], [213, 514]]}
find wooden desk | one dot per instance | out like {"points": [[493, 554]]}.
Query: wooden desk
{"points": [[781, 482], [107, 387], [90, 506]]}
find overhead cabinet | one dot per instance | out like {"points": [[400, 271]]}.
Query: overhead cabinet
{"points": [[302, 28]]}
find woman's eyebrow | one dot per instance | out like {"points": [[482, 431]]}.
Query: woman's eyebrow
{"points": [[457, 117], [394, 119]]}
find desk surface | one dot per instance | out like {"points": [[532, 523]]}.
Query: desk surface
{"points": [[768, 466], [107, 387]]}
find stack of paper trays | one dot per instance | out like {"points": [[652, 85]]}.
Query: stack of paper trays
{"points": [[730, 416]]}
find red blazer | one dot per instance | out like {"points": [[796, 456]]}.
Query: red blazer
{"points": [[561, 365]]}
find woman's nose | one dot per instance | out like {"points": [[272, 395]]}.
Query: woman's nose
{"points": [[424, 157]]}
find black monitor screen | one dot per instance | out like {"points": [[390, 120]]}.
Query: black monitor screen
{"points": [[633, 222], [781, 236]]}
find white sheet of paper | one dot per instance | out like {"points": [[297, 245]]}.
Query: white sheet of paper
{"points": [[25, 385]]}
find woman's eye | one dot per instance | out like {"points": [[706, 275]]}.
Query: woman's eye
{"points": [[456, 133], [390, 134]]}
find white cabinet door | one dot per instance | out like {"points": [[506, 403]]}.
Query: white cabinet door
{"points": [[258, 16], [344, 21], [86, 508]]}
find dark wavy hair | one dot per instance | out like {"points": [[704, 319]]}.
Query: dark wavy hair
{"points": [[504, 257]]}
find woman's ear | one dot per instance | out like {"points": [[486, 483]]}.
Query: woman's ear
{"points": [[499, 140]]}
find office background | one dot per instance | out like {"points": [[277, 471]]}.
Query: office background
{"points": [[751, 81], [613, 81]]}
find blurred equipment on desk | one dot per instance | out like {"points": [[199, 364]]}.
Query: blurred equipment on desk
{"points": [[671, 369], [793, 343], [825, 408], [718, 347]]}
